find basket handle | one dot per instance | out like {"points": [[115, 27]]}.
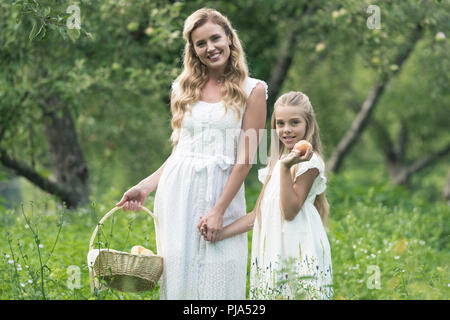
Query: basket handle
{"points": [[91, 242]]}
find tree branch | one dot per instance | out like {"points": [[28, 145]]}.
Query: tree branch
{"points": [[26, 171], [356, 129], [422, 163], [402, 141], [362, 118]]}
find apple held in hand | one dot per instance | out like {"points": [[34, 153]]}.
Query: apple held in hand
{"points": [[302, 146]]}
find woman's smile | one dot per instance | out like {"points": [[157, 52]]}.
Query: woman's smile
{"points": [[214, 56], [211, 45]]}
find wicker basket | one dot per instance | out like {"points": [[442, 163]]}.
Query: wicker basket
{"points": [[124, 271]]}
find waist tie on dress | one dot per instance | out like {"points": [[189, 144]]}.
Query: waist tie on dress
{"points": [[209, 162]]}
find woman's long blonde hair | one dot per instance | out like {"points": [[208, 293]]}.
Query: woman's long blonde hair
{"points": [[300, 100], [195, 74]]}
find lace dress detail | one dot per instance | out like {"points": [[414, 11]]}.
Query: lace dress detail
{"points": [[291, 259], [190, 185]]}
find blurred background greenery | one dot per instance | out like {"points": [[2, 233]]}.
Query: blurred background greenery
{"points": [[84, 113]]}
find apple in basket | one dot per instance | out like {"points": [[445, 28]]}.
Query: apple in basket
{"points": [[141, 250], [302, 146]]}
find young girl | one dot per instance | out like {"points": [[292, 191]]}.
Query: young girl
{"points": [[291, 256], [202, 181]]}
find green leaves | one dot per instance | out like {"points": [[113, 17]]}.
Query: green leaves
{"points": [[133, 50], [58, 16], [73, 34], [36, 30]]}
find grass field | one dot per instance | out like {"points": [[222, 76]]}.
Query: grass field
{"points": [[386, 244]]}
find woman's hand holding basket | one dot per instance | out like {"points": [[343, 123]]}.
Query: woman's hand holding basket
{"points": [[133, 199]]}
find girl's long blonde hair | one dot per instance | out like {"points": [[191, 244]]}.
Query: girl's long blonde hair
{"points": [[195, 74], [300, 100]]}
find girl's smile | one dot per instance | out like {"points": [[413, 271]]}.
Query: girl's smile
{"points": [[290, 125]]}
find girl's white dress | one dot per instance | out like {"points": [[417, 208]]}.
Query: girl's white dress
{"points": [[285, 254], [190, 185]]}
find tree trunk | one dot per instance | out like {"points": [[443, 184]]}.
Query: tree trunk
{"points": [[286, 57], [280, 70], [70, 168], [446, 193]]}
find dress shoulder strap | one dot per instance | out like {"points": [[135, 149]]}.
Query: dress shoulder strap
{"points": [[251, 83]]}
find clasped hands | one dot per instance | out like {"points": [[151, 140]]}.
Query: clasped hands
{"points": [[211, 225]]}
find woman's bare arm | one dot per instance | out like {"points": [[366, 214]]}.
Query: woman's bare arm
{"points": [[254, 120]]}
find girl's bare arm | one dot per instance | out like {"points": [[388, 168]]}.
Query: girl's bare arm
{"points": [[241, 225], [293, 195]]}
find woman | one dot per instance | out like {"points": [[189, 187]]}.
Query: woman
{"points": [[201, 183]]}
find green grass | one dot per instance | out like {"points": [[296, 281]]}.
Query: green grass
{"points": [[386, 229], [386, 243]]}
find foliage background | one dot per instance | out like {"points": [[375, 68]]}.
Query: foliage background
{"points": [[114, 76]]}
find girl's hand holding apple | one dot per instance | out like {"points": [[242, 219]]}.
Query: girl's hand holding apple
{"points": [[302, 151]]}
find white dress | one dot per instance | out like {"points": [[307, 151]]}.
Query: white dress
{"points": [[190, 185], [300, 246]]}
